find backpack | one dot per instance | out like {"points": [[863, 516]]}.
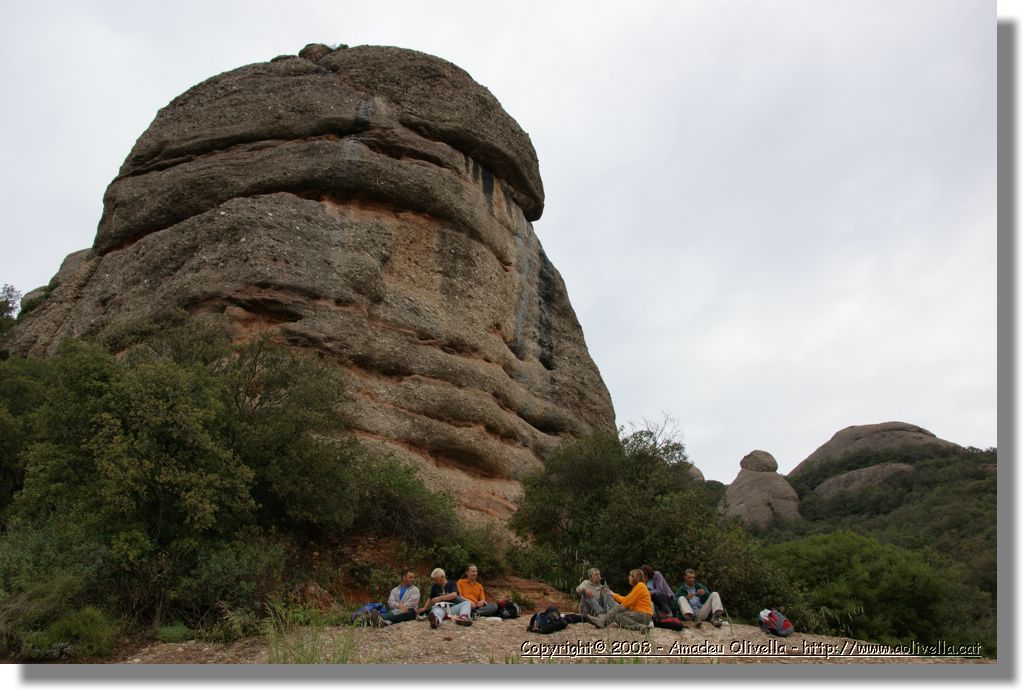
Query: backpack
{"points": [[573, 618], [775, 622], [662, 604], [669, 623], [547, 621], [507, 609], [362, 614]]}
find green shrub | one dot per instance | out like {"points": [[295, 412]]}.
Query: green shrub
{"points": [[175, 633], [879, 592], [225, 624], [619, 503], [86, 633], [240, 573], [394, 501], [181, 480]]}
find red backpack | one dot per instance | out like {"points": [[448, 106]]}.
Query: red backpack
{"points": [[775, 622]]}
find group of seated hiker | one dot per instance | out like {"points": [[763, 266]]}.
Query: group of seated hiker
{"points": [[460, 601], [649, 595], [650, 598]]}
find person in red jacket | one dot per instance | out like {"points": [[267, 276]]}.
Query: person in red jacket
{"points": [[634, 611]]}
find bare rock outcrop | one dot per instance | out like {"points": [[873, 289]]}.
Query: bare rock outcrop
{"points": [[856, 480], [761, 461], [759, 494], [880, 437], [371, 204]]}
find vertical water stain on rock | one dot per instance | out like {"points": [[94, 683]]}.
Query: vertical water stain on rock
{"points": [[371, 204]]}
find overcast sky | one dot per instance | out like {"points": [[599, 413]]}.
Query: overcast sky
{"points": [[775, 219]]}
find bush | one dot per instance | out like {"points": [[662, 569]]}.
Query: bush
{"points": [[881, 592], [394, 501], [239, 574], [86, 633], [181, 480], [30, 609], [175, 633], [619, 503]]}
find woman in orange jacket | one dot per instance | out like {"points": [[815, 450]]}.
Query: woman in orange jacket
{"points": [[634, 611]]}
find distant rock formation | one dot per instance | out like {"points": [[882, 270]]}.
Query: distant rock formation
{"points": [[880, 437], [862, 478], [761, 461], [759, 494], [373, 205]]}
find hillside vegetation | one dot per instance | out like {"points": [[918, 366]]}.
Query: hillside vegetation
{"points": [[911, 561], [186, 480], [943, 512], [191, 486]]}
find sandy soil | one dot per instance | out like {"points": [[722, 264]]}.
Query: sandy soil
{"points": [[508, 642]]}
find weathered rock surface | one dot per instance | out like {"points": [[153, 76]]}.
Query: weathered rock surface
{"points": [[761, 461], [856, 480], [759, 494], [880, 437], [371, 204]]}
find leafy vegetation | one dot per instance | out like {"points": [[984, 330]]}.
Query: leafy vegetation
{"points": [[943, 512], [617, 503], [878, 592], [181, 477], [9, 303], [188, 480], [948, 502], [175, 633]]}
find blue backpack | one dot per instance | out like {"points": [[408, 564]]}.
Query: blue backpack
{"points": [[363, 612], [548, 621]]}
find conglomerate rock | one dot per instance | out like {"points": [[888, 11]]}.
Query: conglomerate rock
{"points": [[880, 437], [862, 478], [759, 494], [371, 204]]}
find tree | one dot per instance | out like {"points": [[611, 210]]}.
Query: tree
{"points": [[10, 301], [618, 503]]}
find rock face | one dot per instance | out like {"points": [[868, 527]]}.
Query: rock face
{"points": [[856, 480], [759, 494], [370, 204], [761, 461], [880, 437]]}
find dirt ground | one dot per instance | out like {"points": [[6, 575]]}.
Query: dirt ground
{"points": [[509, 642]]}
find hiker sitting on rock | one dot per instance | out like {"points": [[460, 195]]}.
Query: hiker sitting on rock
{"points": [[403, 600], [473, 591], [633, 611], [595, 597], [697, 602], [662, 596], [445, 599]]}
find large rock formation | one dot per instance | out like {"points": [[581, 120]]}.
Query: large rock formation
{"points": [[374, 205], [880, 437], [759, 494], [862, 478]]}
